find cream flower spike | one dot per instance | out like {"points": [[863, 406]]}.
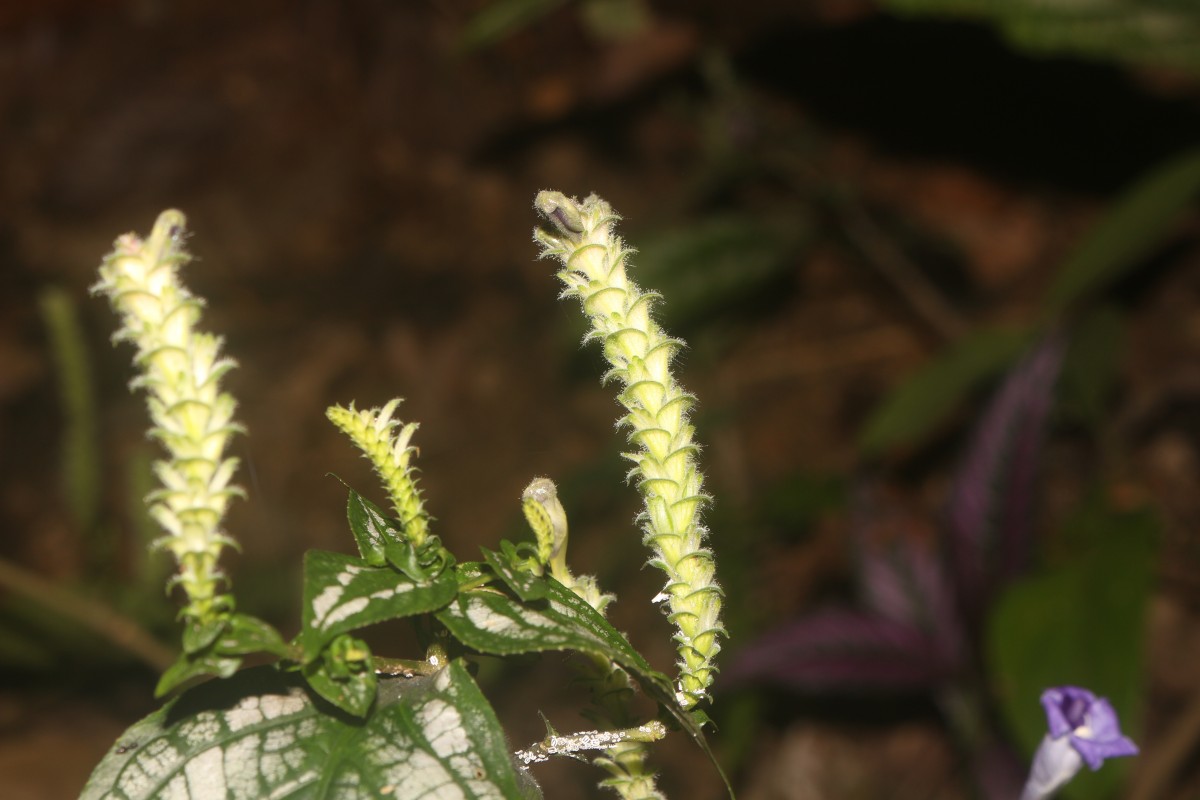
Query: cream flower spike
{"points": [[180, 369], [594, 258], [391, 456]]}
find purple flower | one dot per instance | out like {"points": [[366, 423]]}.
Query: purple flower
{"points": [[1083, 730], [1089, 721]]}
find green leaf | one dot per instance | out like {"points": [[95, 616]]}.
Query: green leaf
{"points": [[1129, 231], [343, 675], [927, 398], [353, 695], [200, 636], [615, 20], [260, 734], [81, 455], [381, 540], [217, 648], [1079, 625], [509, 565], [343, 593], [491, 622], [246, 634], [194, 665], [1159, 33], [419, 564], [372, 528], [501, 18], [1090, 369]]}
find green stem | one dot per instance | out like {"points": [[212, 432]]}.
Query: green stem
{"points": [[404, 667]]}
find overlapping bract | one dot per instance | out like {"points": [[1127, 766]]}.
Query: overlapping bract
{"points": [[391, 456], [594, 260], [180, 369]]}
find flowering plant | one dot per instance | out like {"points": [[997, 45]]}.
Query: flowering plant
{"points": [[330, 718]]}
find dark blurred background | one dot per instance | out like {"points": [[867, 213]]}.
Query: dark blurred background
{"points": [[829, 194]]}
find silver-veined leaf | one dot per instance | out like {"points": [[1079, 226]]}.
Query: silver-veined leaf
{"points": [[373, 530], [493, 622], [261, 735], [343, 593]]}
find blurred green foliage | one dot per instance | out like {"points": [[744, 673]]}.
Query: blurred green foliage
{"points": [[797, 502], [1160, 33], [80, 453], [1079, 622], [1089, 373], [47, 625], [717, 266], [504, 18], [1134, 228], [603, 19], [925, 400]]}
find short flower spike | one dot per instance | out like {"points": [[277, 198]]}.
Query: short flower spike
{"points": [[1083, 729]]}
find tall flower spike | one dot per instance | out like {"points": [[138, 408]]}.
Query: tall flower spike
{"points": [[594, 258], [180, 370], [391, 456]]}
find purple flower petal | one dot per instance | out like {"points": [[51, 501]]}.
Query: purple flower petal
{"points": [[1094, 752], [1090, 723], [1102, 720], [1083, 730], [1100, 736], [1066, 708]]}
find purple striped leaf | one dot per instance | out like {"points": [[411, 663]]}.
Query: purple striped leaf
{"points": [[900, 576], [842, 650], [991, 502]]}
